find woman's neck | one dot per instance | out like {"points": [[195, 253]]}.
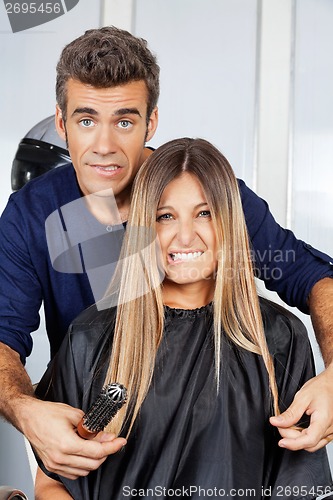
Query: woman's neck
{"points": [[189, 295]]}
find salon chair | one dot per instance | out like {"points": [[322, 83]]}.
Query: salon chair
{"points": [[9, 493], [38, 152]]}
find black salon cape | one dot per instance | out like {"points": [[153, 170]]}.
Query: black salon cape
{"points": [[188, 441]]}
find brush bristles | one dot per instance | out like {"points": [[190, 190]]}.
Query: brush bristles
{"points": [[102, 411]]}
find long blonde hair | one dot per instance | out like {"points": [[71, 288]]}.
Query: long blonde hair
{"points": [[140, 314]]}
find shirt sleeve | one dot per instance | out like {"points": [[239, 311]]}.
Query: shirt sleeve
{"points": [[287, 265], [20, 289]]}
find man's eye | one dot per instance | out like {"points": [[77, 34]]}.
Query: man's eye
{"points": [[164, 217], [86, 122], [124, 124]]}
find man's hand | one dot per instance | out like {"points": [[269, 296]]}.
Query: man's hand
{"points": [[51, 429], [315, 399]]}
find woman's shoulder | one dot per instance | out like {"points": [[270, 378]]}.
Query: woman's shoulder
{"points": [[82, 358], [284, 330], [92, 327], [290, 347], [95, 316]]}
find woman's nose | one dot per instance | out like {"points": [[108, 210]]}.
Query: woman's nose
{"points": [[186, 233]]}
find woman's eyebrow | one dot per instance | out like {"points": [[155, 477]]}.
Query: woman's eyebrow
{"points": [[169, 207]]}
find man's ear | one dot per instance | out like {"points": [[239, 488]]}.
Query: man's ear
{"points": [[152, 124], [60, 124]]}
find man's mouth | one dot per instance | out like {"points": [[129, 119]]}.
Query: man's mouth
{"points": [[184, 257], [107, 168]]}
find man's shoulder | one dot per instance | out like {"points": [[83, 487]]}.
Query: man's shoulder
{"points": [[57, 184]]}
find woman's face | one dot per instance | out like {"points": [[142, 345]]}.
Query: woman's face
{"points": [[185, 232]]}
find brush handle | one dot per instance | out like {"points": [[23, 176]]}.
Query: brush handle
{"points": [[84, 432], [111, 398]]}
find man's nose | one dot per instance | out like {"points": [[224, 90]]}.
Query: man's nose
{"points": [[105, 142]]}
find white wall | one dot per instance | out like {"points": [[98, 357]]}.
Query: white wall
{"points": [[310, 204], [207, 53], [312, 140], [253, 76]]}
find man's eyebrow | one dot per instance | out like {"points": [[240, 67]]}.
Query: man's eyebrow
{"points": [[84, 111], [118, 112], [127, 111]]}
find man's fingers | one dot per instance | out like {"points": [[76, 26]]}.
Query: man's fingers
{"points": [[88, 456], [305, 442], [55, 440], [72, 465], [111, 447], [289, 433], [290, 416], [98, 450], [76, 466], [311, 439], [103, 437]]}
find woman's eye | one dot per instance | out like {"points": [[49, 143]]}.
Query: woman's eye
{"points": [[205, 213], [86, 122], [164, 217]]}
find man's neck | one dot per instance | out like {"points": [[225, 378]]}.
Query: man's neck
{"points": [[105, 210]]}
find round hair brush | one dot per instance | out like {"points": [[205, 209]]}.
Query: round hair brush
{"points": [[102, 411]]}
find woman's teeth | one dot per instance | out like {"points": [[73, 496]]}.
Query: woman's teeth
{"points": [[185, 256]]}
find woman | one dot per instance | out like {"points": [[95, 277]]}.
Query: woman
{"points": [[204, 361]]}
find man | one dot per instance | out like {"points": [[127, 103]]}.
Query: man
{"points": [[107, 91]]}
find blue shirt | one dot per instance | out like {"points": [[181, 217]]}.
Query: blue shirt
{"points": [[70, 271]]}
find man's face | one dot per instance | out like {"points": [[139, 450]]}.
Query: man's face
{"points": [[106, 130]]}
